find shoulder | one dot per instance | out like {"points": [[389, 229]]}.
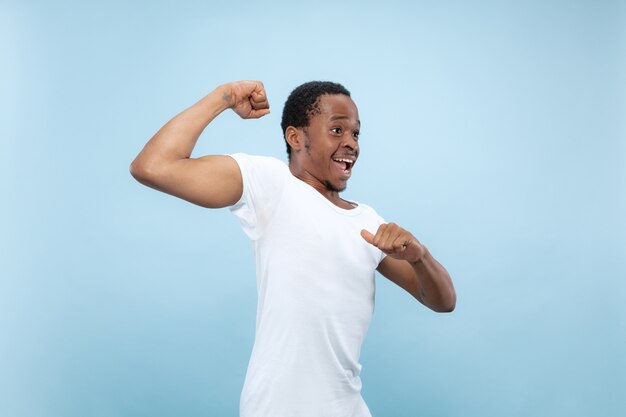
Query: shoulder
{"points": [[256, 163], [259, 161], [370, 213], [367, 209]]}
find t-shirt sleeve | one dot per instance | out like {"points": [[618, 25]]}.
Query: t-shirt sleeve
{"points": [[375, 221], [263, 183], [382, 254]]}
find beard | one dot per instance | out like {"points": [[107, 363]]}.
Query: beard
{"points": [[331, 187], [307, 148]]}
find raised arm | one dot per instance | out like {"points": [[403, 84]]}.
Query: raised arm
{"points": [[211, 181]]}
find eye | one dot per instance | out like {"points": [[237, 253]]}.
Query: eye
{"points": [[356, 134], [337, 130]]}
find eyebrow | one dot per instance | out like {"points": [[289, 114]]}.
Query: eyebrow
{"points": [[339, 117]]}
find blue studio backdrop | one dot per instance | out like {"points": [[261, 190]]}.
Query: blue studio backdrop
{"points": [[493, 130]]}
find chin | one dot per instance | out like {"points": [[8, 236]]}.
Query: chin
{"points": [[332, 187]]}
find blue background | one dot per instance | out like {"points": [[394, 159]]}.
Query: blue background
{"points": [[494, 131]]}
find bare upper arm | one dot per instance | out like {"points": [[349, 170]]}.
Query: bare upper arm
{"points": [[402, 274], [211, 181]]}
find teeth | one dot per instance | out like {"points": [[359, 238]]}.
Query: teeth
{"points": [[350, 161]]}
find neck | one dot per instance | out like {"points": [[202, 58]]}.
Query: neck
{"points": [[328, 193]]}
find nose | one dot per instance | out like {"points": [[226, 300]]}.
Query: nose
{"points": [[352, 143]]}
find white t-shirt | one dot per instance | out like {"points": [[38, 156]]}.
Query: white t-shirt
{"points": [[315, 282]]}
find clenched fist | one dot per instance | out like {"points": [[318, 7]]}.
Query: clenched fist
{"points": [[247, 98], [395, 242]]}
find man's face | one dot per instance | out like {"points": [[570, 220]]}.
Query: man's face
{"points": [[331, 141]]}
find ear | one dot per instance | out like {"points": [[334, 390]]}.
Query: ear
{"points": [[294, 138]]}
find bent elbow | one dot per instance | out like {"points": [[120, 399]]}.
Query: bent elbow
{"points": [[134, 170], [139, 172], [448, 306]]}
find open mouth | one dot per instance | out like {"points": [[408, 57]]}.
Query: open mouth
{"points": [[344, 164]]}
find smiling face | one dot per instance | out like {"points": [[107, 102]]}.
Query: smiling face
{"points": [[324, 152]]}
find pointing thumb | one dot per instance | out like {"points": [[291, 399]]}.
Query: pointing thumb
{"points": [[369, 238]]}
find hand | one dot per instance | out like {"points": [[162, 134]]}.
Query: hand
{"points": [[396, 242], [247, 98]]}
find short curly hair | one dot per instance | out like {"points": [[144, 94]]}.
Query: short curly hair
{"points": [[303, 102]]}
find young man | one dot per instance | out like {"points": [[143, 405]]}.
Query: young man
{"points": [[316, 253]]}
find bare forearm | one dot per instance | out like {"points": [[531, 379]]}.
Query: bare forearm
{"points": [[412, 267], [177, 138], [436, 290]]}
